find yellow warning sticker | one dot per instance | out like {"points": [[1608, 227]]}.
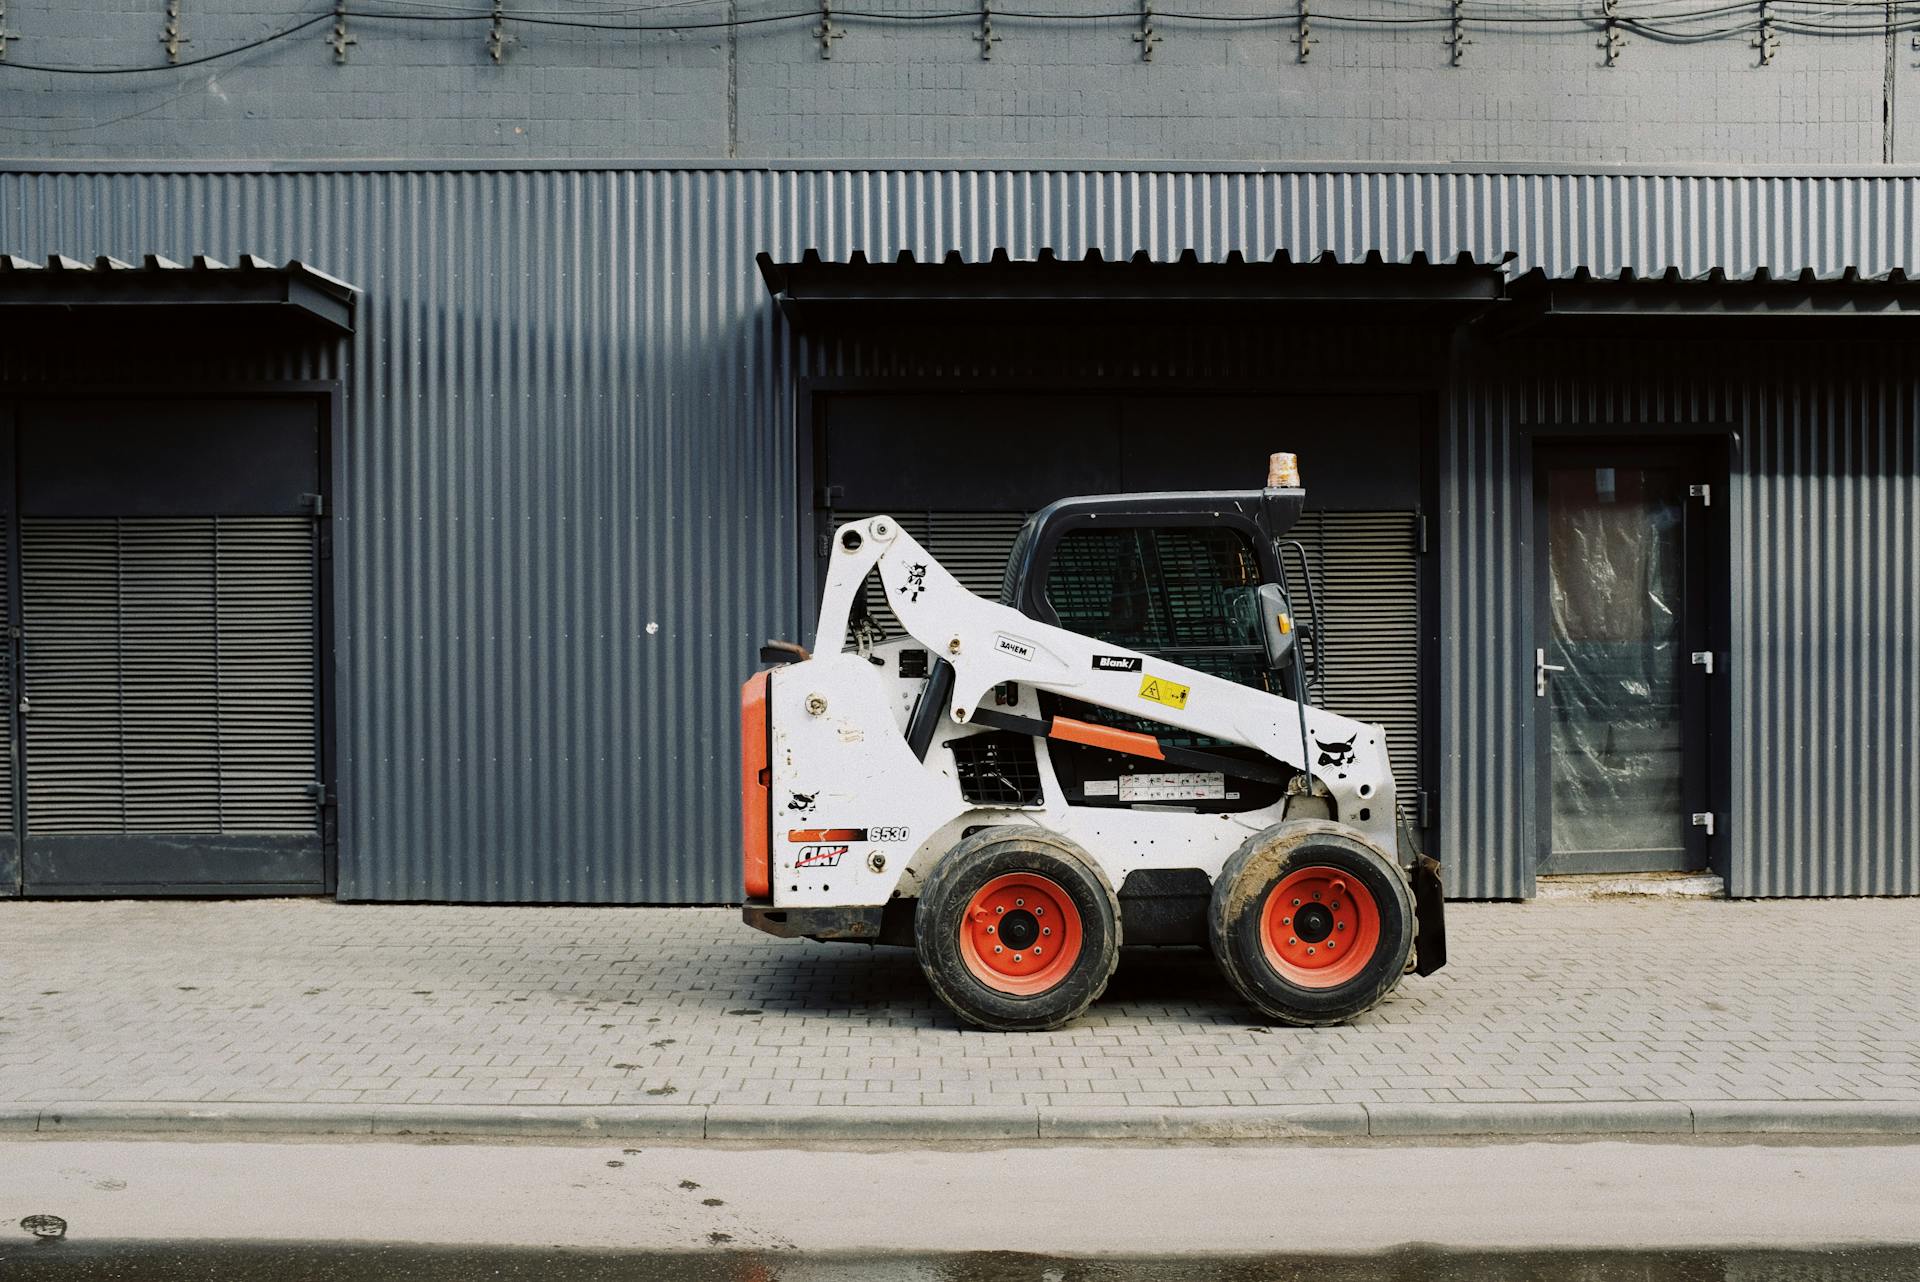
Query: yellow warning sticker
{"points": [[1161, 690]]}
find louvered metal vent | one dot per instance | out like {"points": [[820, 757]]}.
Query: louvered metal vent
{"points": [[171, 666], [8, 698], [1366, 578], [1366, 573]]}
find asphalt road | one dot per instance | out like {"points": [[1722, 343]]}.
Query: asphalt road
{"points": [[146, 1262], [1116, 1201]]}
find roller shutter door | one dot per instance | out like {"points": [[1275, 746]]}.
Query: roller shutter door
{"points": [[171, 665], [169, 562], [1367, 581]]}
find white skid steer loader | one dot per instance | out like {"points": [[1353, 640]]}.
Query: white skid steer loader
{"points": [[1117, 749]]}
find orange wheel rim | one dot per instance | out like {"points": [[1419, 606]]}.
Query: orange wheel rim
{"points": [[1320, 927], [1020, 934]]}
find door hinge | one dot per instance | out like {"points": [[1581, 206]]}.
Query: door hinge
{"points": [[318, 792], [1702, 492], [1424, 808], [828, 496], [315, 504], [1420, 533], [1703, 659], [1704, 819]]}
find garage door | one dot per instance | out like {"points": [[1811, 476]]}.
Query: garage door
{"points": [[169, 611], [961, 473]]}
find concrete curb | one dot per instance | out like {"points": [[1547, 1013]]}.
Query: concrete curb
{"points": [[878, 1122], [636, 1122], [1626, 1118], [1092, 1124], [1117, 1122]]}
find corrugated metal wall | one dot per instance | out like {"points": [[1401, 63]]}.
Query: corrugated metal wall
{"points": [[568, 508], [1824, 650]]}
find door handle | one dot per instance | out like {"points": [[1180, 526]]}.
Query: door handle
{"points": [[1540, 669]]}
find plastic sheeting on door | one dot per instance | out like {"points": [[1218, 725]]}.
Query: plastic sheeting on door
{"points": [[1614, 543]]}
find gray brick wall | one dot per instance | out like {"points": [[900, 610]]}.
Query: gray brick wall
{"points": [[918, 92]]}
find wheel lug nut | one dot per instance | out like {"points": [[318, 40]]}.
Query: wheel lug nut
{"points": [[1296, 903], [998, 949], [1019, 903], [1309, 952], [1036, 950], [1046, 930], [1002, 908], [1340, 925], [989, 930], [1286, 921], [1292, 942], [1016, 956], [1316, 896]]}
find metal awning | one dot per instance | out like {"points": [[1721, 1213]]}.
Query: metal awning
{"points": [[1759, 303], [815, 290], [253, 292]]}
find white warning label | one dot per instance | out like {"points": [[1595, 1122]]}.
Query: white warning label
{"points": [[1173, 787]]}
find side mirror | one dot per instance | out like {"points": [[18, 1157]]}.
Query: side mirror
{"points": [[1276, 624]]}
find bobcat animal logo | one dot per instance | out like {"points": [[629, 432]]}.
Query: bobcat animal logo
{"points": [[1336, 755], [916, 580], [802, 802]]}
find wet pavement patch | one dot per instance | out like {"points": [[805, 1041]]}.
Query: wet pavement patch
{"points": [[721, 1262]]}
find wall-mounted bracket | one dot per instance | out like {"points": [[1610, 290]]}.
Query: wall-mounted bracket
{"points": [[339, 37], [826, 33], [985, 35], [1456, 40], [1303, 34], [1613, 42], [498, 38], [1768, 41], [1146, 37], [1702, 491], [170, 37], [1703, 819]]}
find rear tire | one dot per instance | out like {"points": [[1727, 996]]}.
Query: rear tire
{"points": [[1311, 923], [1016, 930]]}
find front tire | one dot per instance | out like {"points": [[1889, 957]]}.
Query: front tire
{"points": [[1311, 923], [1016, 931]]}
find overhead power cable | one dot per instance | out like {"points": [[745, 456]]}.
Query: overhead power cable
{"points": [[1655, 20]]}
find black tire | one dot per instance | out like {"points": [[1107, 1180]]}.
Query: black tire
{"points": [[1237, 924], [939, 929]]}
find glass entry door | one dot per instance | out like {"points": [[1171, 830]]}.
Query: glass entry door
{"points": [[1620, 662]]}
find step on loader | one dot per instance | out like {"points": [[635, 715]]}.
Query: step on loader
{"points": [[1119, 749]]}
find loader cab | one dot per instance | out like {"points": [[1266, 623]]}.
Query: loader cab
{"points": [[1170, 574], [1176, 575]]}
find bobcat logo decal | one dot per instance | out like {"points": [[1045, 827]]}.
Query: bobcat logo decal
{"points": [[916, 581], [1337, 755]]}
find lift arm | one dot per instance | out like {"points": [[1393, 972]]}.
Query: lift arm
{"points": [[988, 644]]}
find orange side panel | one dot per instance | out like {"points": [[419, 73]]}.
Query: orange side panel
{"points": [[756, 802], [1128, 741]]}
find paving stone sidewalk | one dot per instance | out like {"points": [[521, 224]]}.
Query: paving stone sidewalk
{"points": [[307, 1001]]}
